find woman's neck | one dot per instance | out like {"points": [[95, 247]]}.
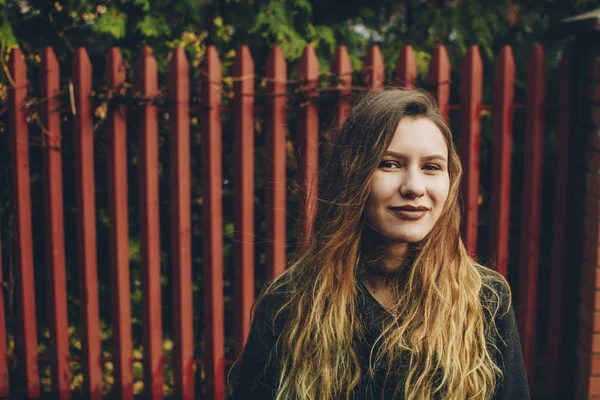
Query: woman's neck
{"points": [[383, 262]]}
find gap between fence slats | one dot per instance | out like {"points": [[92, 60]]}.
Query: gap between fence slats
{"points": [[119, 230], [212, 176], [54, 221], [83, 139], [438, 78], [470, 132], [147, 84], [275, 143], [308, 142], [181, 229], [342, 74], [502, 120], [406, 68], [21, 207], [243, 156], [555, 365], [532, 192]]}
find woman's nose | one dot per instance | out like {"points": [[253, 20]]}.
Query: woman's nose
{"points": [[413, 185]]}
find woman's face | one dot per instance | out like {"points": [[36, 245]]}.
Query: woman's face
{"points": [[411, 183]]}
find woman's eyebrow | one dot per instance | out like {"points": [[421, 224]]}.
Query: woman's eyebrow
{"points": [[426, 158], [435, 157]]}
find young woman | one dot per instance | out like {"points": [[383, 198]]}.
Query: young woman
{"points": [[384, 301]]}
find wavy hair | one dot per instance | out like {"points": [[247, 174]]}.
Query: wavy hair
{"points": [[442, 323]]}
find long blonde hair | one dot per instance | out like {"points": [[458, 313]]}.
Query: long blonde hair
{"points": [[442, 322]]}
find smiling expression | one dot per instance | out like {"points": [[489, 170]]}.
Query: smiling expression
{"points": [[410, 186]]}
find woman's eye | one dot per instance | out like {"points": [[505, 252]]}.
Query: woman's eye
{"points": [[389, 164], [432, 167]]}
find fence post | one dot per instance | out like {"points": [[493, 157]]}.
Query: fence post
{"points": [[308, 142], [374, 69], [27, 345], [532, 202], [342, 75], [582, 283], [275, 143], [502, 117], [83, 149], [406, 68], [55, 242], [471, 83], [181, 224], [212, 193], [148, 169], [438, 79], [244, 195], [119, 230]]}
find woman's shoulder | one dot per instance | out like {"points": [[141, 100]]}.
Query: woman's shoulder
{"points": [[495, 290], [269, 309]]}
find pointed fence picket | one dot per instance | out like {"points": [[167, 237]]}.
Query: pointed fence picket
{"points": [[243, 116], [532, 202], [308, 141], [21, 204], [470, 132], [119, 230], [181, 235], [342, 74], [406, 68], [55, 242], [148, 169], [214, 342], [438, 79], [502, 119], [83, 138], [275, 146]]}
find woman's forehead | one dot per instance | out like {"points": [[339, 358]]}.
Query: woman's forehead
{"points": [[418, 136]]}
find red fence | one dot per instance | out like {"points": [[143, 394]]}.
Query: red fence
{"points": [[213, 360]]}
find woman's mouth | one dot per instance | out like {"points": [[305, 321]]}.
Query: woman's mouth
{"points": [[409, 212]]}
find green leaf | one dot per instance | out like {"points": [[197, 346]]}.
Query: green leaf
{"points": [[113, 22], [304, 5], [144, 3], [7, 35], [153, 26]]}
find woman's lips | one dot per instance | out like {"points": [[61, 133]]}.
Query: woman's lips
{"points": [[409, 213]]}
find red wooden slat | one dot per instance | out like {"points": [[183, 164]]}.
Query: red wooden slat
{"points": [[86, 226], [406, 68], [243, 149], [554, 365], [147, 84], [502, 118], [4, 378], [118, 234], [532, 196], [55, 242], [374, 68], [342, 72], [21, 205], [438, 79], [470, 131], [308, 141], [213, 228], [181, 225], [275, 143]]}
